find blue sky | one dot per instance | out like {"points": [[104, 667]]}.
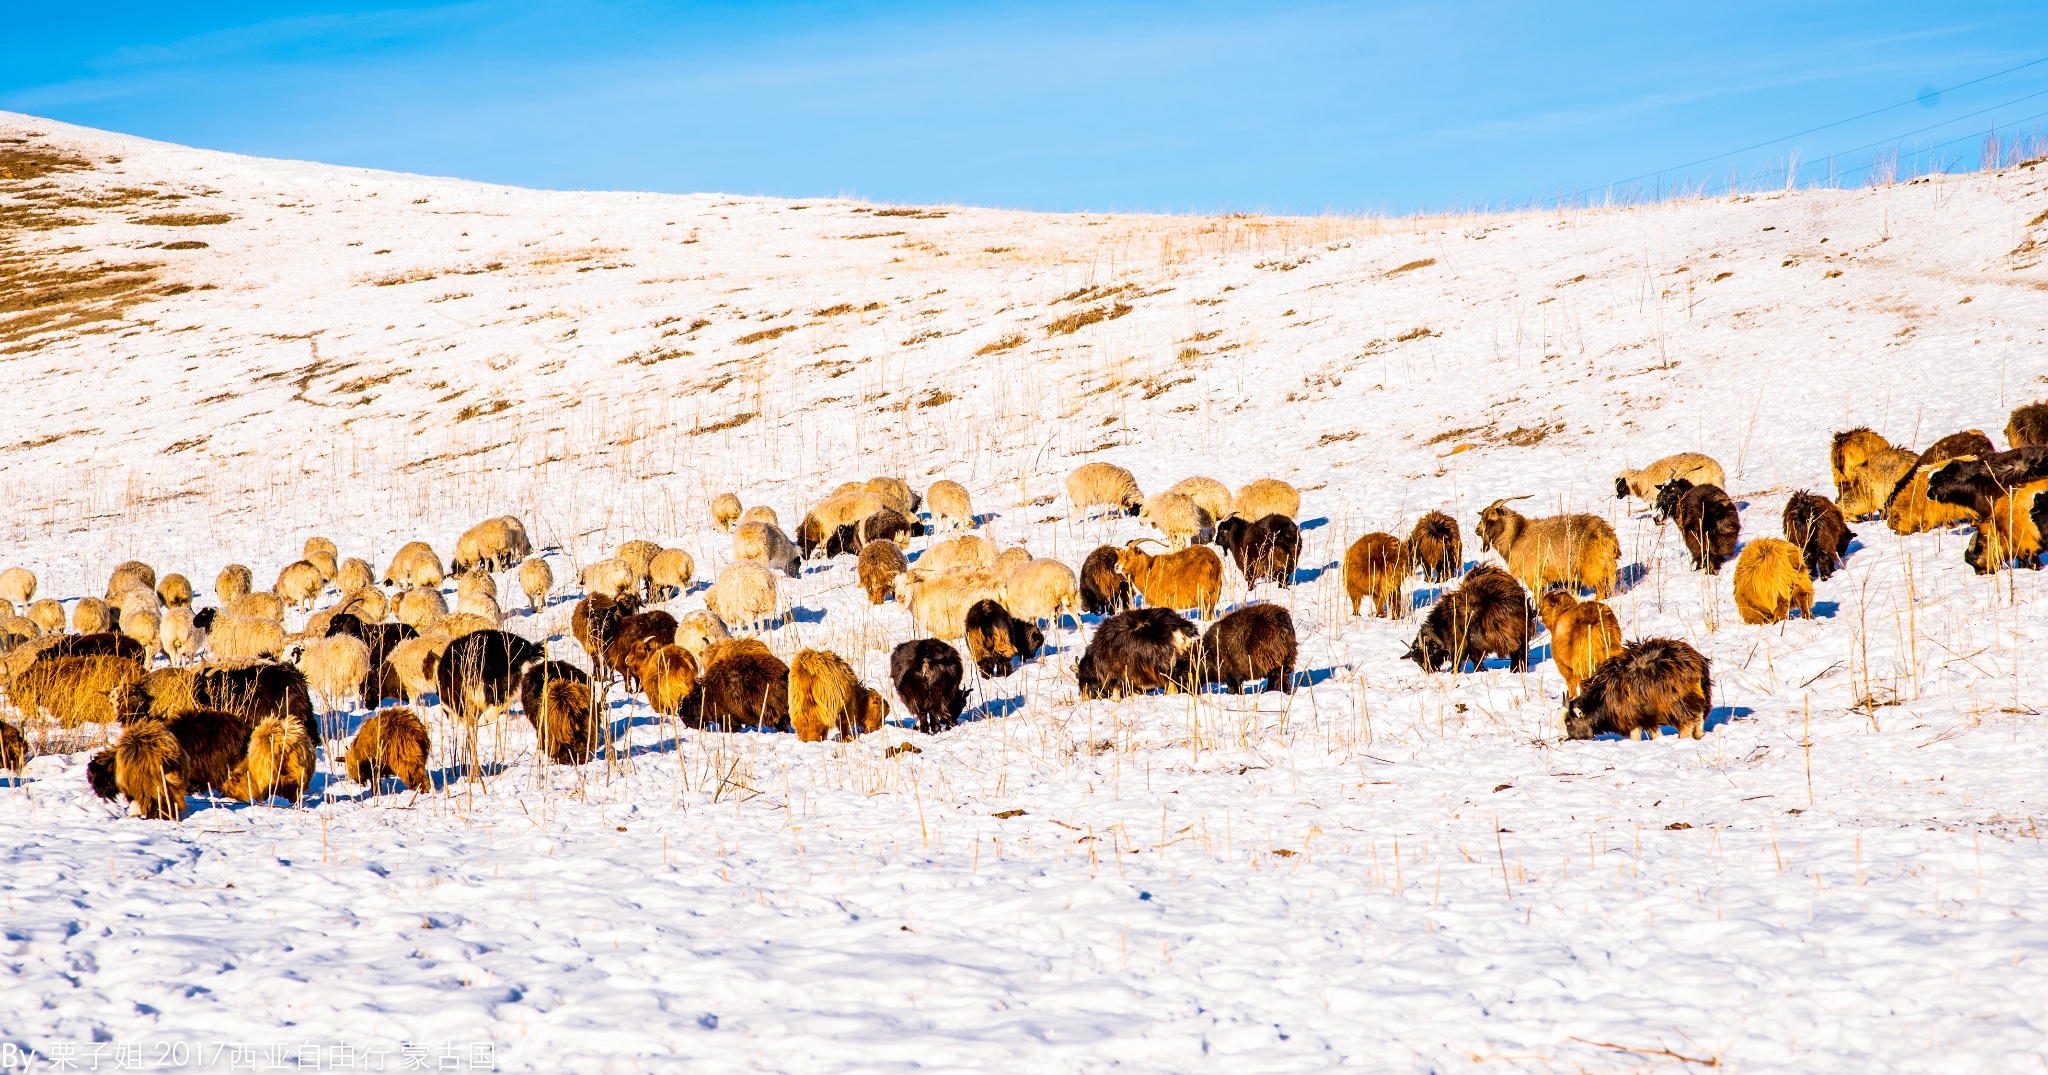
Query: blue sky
{"points": [[1378, 107]]}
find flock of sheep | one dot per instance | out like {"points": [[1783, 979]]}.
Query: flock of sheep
{"points": [[242, 721]]}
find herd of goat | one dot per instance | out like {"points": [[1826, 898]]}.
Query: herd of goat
{"points": [[241, 721]]}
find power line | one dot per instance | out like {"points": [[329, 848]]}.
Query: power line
{"points": [[1939, 145]]}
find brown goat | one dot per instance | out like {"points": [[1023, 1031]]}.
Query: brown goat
{"points": [[392, 743], [669, 676], [1908, 510], [1577, 550], [635, 637], [744, 685], [1583, 634], [2008, 531], [2028, 426], [1434, 547], [595, 621], [1850, 452], [556, 697], [1771, 580], [825, 694], [149, 768], [14, 750], [1815, 524], [1190, 578], [1649, 684], [1374, 567], [74, 690], [880, 563], [279, 762]]}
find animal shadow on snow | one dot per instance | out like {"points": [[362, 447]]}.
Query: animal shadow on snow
{"points": [[1316, 524], [1826, 610], [1310, 574], [1716, 717], [1312, 677], [993, 707], [802, 615]]}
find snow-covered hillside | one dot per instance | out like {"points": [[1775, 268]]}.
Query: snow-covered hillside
{"points": [[209, 358]]}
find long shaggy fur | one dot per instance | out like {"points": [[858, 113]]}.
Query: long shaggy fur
{"points": [[669, 676], [392, 743], [1487, 615], [994, 638], [1135, 652], [1104, 589], [826, 695], [1692, 466], [1374, 566], [278, 762], [149, 770], [1849, 451], [557, 699], [14, 752], [1254, 642], [698, 630], [481, 671], [1651, 683], [1576, 550], [2009, 531], [927, 674], [637, 636], [744, 685], [74, 690], [1267, 549], [1190, 578], [1583, 635], [2028, 426], [1816, 526], [595, 622], [1707, 519], [1771, 581], [880, 563], [669, 574], [1908, 509], [1434, 547]]}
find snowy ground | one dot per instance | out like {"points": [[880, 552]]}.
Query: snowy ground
{"points": [[1390, 870]]}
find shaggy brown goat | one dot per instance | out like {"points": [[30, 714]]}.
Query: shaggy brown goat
{"points": [[1583, 634], [2009, 532], [1707, 520], [73, 690], [2028, 426], [595, 622], [1267, 549], [927, 674], [149, 768], [744, 685], [637, 636], [1487, 615], [1434, 547], [880, 563], [557, 699], [1190, 578], [1849, 452], [825, 694], [1578, 550], [278, 762], [1374, 566], [669, 676], [1104, 589], [392, 743], [13, 747], [994, 637], [1651, 683], [1815, 524], [1908, 510], [1254, 642], [1135, 652], [1771, 581]]}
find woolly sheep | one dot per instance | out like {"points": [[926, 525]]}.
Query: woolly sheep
{"points": [[233, 581], [180, 636], [834, 512], [131, 572], [261, 604], [414, 566], [1208, 494], [144, 626], [611, 576], [744, 594], [1094, 485], [697, 630], [232, 637], [761, 513], [966, 552], [1692, 466], [1580, 550], [639, 554], [416, 662], [368, 604], [336, 668], [324, 563], [896, 491], [457, 624], [47, 614], [89, 616], [950, 505], [354, 575], [826, 695], [299, 583], [725, 509], [536, 581], [494, 545], [1178, 517], [768, 545], [1266, 496], [939, 602], [134, 600], [175, 591], [418, 606], [481, 605], [669, 574], [475, 581], [1041, 590], [18, 584], [319, 545], [880, 563], [1771, 581], [15, 630], [1009, 558]]}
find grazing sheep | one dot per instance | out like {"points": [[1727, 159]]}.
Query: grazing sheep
{"points": [[323, 562], [1579, 550], [744, 595], [238, 637], [298, 584], [927, 674], [493, 545], [1254, 642], [1094, 485], [479, 672], [48, 615], [1434, 547], [367, 604], [669, 574], [1267, 496], [316, 545], [417, 607], [133, 600], [1707, 520], [536, 581], [558, 702], [354, 575], [382, 639], [834, 513], [18, 585], [1008, 559], [639, 554], [1583, 635], [2028, 428], [392, 743], [634, 638], [994, 637], [1178, 517], [595, 622], [146, 628], [73, 690], [1269, 548], [475, 580], [761, 513], [14, 750], [725, 508], [1692, 466], [234, 581], [262, 605], [414, 566], [1135, 652], [90, 616], [880, 563], [175, 591], [1210, 495], [1487, 615], [278, 762], [967, 552], [180, 636], [611, 577], [17, 630], [669, 676], [1651, 683], [825, 695], [337, 668], [1374, 566], [457, 624], [149, 769], [1815, 524], [481, 605], [1770, 581], [951, 507], [698, 630], [895, 490], [415, 665], [938, 603], [1041, 590], [1190, 578], [131, 573], [743, 685], [1104, 589], [767, 544]]}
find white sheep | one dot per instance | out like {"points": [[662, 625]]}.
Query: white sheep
{"points": [[1094, 485], [1692, 466], [611, 576], [299, 583], [47, 614], [698, 630], [965, 551], [180, 636], [233, 581], [1178, 517], [670, 574], [18, 584], [494, 544], [316, 545], [760, 513], [950, 505], [236, 637], [745, 594], [175, 591], [89, 616], [725, 509], [368, 604], [144, 626], [414, 566], [1208, 494], [482, 605], [416, 607], [639, 554], [1267, 496], [354, 575], [1041, 590], [324, 561], [475, 581], [131, 572], [336, 668], [260, 604], [939, 602], [536, 581], [767, 544], [897, 492]]}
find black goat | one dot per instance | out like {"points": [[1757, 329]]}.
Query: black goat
{"points": [[1815, 524], [481, 671], [1707, 520], [1135, 652], [1649, 684], [994, 637], [1104, 589], [1267, 549], [927, 674], [1254, 642], [1488, 614]]}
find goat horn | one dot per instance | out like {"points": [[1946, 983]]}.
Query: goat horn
{"points": [[1141, 541]]}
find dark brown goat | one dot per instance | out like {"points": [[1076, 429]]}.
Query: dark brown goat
{"points": [[927, 674], [1435, 548], [1651, 683], [595, 621], [1706, 518], [1104, 589], [557, 699], [1135, 652], [2028, 427], [994, 637], [1815, 524], [1254, 642], [743, 685], [1487, 615], [634, 638], [1267, 549]]}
